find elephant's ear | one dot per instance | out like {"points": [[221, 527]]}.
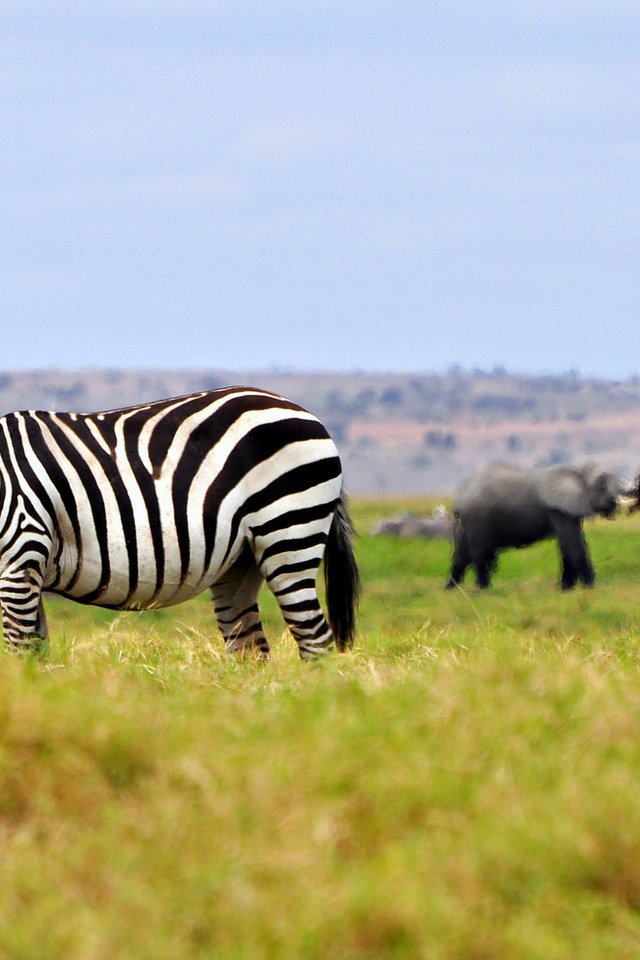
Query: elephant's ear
{"points": [[564, 489]]}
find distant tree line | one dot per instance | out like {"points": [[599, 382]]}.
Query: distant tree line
{"points": [[456, 395]]}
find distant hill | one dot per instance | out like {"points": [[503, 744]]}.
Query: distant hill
{"points": [[398, 433]]}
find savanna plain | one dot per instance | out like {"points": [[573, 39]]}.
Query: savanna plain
{"points": [[463, 784]]}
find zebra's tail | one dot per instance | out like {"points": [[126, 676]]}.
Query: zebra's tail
{"points": [[342, 580]]}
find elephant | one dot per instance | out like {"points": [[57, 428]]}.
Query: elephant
{"points": [[509, 506]]}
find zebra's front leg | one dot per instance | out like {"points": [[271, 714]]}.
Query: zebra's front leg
{"points": [[24, 623]]}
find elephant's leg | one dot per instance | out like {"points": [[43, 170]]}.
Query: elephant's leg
{"points": [[460, 560], [586, 573], [576, 562], [569, 574], [584, 567], [458, 569], [485, 564]]}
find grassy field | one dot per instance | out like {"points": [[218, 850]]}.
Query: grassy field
{"points": [[464, 784]]}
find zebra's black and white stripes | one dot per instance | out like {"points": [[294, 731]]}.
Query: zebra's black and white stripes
{"points": [[148, 506]]}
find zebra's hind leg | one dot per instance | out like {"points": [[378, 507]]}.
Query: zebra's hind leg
{"points": [[294, 585], [24, 623], [235, 602]]}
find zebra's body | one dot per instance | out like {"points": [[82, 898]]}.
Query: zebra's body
{"points": [[150, 505]]}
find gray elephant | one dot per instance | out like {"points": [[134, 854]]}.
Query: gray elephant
{"points": [[507, 506]]}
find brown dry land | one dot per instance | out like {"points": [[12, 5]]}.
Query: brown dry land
{"points": [[398, 433], [610, 439]]}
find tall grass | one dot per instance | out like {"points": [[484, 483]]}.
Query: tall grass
{"points": [[464, 784]]}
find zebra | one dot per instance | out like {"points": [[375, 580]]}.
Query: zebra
{"points": [[147, 506]]}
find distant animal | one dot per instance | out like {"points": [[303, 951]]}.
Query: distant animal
{"points": [[150, 505], [507, 506], [630, 498], [436, 527]]}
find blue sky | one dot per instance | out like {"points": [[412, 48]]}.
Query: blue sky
{"points": [[321, 185]]}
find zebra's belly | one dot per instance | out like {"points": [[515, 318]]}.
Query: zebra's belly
{"points": [[145, 594], [120, 585]]}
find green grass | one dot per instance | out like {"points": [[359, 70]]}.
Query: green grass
{"points": [[463, 785]]}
